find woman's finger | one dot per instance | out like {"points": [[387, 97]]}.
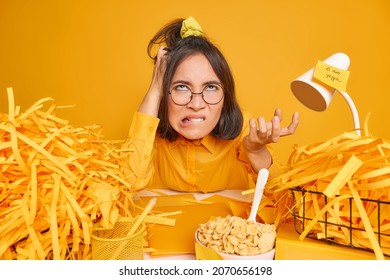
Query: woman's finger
{"points": [[278, 112], [263, 129], [253, 130], [292, 127], [275, 134]]}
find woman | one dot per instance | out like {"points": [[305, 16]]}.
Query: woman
{"points": [[189, 133]]}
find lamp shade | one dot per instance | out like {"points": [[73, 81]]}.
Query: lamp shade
{"points": [[314, 94]]}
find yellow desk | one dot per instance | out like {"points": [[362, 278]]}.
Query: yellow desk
{"points": [[289, 247]]}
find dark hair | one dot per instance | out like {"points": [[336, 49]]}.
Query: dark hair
{"points": [[230, 123]]}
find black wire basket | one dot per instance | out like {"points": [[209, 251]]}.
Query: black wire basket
{"points": [[346, 230]]}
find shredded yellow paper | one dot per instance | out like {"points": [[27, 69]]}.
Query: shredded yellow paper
{"points": [[56, 181], [353, 173]]}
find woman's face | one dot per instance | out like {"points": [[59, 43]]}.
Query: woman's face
{"points": [[196, 119]]}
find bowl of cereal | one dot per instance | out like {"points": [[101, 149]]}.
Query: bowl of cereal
{"points": [[235, 238]]}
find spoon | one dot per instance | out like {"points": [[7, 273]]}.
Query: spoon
{"points": [[260, 183]]}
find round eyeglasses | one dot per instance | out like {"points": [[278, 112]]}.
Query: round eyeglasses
{"points": [[181, 94]]}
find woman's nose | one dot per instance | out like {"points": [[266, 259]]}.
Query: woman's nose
{"points": [[197, 102]]}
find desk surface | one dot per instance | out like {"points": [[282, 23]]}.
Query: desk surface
{"points": [[290, 247]]}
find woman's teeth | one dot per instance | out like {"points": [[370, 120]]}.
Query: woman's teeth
{"points": [[196, 120], [193, 120]]}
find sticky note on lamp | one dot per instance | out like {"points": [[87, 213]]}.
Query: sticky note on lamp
{"points": [[331, 76]]}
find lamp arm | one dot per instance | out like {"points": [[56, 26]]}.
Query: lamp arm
{"points": [[353, 109]]}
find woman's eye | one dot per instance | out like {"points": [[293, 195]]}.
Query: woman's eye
{"points": [[181, 87], [211, 87]]}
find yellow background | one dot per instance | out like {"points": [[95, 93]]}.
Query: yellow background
{"points": [[93, 54]]}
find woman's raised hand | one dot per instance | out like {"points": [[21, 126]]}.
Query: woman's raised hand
{"points": [[159, 70], [151, 101], [265, 132]]}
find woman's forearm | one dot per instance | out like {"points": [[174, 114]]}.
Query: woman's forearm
{"points": [[260, 159], [150, 104]]}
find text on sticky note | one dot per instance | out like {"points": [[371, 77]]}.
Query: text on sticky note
{"points": [[331, 76]]}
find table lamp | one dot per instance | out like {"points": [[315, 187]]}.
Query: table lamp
{"points": [[317, 95]]}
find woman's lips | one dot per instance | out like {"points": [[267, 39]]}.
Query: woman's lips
{"points": [[191, 120]]}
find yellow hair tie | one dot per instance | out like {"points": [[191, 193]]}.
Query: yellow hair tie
{"points": [[190, 27]]}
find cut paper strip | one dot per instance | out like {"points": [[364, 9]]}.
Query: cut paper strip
{"points": [[343, 176]]}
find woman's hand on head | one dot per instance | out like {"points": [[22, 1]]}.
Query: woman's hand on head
{"points": [[151, 102], [159, 70], [263, 132]]}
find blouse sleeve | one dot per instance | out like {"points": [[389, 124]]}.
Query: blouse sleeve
{"points": [[137, 150]]}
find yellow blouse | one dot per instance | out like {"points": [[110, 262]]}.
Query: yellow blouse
{"points": [[206, 165]]}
